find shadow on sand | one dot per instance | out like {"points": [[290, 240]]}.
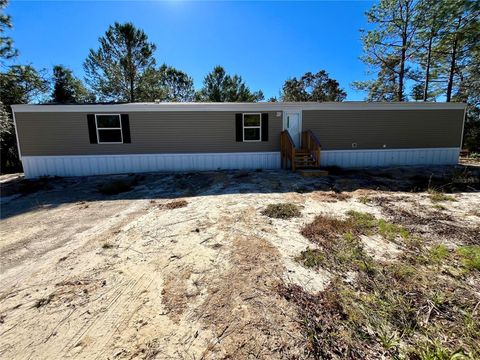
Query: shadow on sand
{"points": [[21, 196]]}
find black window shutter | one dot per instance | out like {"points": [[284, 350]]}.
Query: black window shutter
{"points": [[239, 127], [125, 128], [264, 127], [92, 129]]}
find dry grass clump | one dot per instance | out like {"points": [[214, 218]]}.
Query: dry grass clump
{"points": [[43, 301], [282, 211], [325, 228], [107, 245], [437, 196], [330, 196], [364, 199], [340, 247], [174, 204]]}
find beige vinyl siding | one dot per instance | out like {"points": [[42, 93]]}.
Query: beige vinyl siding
{"points": [[397, 129], [151, 132]]}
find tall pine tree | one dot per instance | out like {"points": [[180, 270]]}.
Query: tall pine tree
{"points": [[116, 69], [67, 88], [218, 86], [388, 47]]}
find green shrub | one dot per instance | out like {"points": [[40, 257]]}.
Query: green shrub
{"points": [[364, 199], [470, 256], [282, 211], [311, 258], [438, 253], [390, 231], [437, 196]]}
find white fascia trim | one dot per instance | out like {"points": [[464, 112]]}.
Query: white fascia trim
{"points": [[387, 150], [463, 126], [16, 135], [158, 154], [231, 153], [240, 107]]}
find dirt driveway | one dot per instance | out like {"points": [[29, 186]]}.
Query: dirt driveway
{"points": [[144, 274]]}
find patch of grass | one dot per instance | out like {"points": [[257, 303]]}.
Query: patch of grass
{"points": [[357, 223], [439, 207], [437, 196], [438, 253], [361, 222], [470, 256], [340, 246], [391, 231], [364, 199], [326, 228], [434, 350], [396, 311], [311, 258], [282, 211], [174, 204]]}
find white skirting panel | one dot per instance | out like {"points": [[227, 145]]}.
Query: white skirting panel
{"points": [[389, 157], [84, 165]]}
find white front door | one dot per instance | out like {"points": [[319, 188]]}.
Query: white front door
{"points": [[292, 124]]}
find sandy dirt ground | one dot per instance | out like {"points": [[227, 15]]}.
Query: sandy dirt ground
{"points": [[90, 276]]}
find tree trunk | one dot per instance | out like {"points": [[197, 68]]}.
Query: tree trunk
{"points": [[453, 62], [401, 72], [132, 93], [452, 69], [401, 75], [427, 70]]}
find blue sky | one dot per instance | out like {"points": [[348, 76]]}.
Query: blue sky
{"points": [[264, 42]]}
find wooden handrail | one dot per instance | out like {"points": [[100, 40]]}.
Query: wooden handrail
{"points": [[287, 150], [311, 143]]}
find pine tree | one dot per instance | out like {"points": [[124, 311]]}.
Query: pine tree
{"points": [[218, 86], [115, 71], [67, 88], [389, 46]]}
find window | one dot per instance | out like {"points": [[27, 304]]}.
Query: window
{"points": [[109, 128], [252, 127]]}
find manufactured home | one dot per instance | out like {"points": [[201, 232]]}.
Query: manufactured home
{"points": [[79, 140]]}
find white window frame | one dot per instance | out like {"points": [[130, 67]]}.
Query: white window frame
{"points": [[251, 127], [109, 128]]}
